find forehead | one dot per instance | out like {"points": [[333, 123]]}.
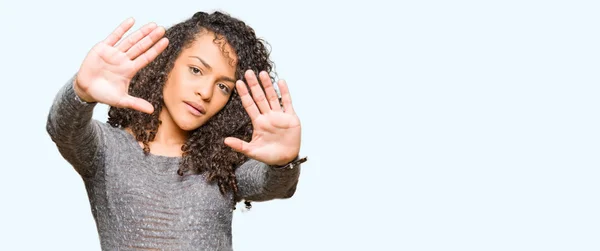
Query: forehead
{"points": [[213, 48]]}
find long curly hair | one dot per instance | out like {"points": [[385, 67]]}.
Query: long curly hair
{"points": [[204, 152]]}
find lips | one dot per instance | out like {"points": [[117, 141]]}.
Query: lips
{"points": [[196, 108]]}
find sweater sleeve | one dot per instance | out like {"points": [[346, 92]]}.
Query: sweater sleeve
{"points": [[258, 181], [76, 135]]}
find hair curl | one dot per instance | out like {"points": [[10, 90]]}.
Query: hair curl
{"points": [[204, 151]]}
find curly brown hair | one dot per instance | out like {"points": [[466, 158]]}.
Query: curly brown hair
{"points": [[204, 151]]}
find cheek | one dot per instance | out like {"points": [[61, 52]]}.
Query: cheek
{"points": [[174, 88], [218, 103], [167, 91]]}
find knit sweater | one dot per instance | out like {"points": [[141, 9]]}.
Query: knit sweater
{"points": [[138, 201]]}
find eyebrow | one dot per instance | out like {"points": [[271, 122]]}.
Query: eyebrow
{"points": [[224, 78]]}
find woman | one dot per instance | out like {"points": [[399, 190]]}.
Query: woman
{"points": [[167, 169]]}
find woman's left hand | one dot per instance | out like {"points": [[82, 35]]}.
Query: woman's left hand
{"points": [[276, 136]]}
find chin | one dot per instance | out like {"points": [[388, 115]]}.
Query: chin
{"points": [[189, 125]]}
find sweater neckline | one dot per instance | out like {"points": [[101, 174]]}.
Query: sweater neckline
{"points": [[138, 149]]}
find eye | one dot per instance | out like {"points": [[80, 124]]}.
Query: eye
{"points": [[224, 88], [195, 70]]}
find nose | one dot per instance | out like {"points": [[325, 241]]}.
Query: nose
{"points": [[205, 90]]}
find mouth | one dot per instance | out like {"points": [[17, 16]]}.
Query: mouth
{"points": [[195, 108]]}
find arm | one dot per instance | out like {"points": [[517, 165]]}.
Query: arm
{"points": [[104, 77], [275, 142], [72, 129], [258, 181]]}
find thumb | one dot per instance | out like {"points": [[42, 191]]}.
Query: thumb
{"points": [[237, 145], [137, 104]]}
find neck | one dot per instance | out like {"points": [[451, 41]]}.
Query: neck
{"points": [[169, 137], [168, 133]]}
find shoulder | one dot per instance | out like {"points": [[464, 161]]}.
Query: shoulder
{"points": [[114, 137]]}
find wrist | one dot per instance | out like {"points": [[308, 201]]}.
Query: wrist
{"points": [[291, 164], [283, 162], [81, 94]]}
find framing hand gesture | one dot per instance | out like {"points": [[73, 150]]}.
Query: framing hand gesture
{"points": [[276, 136], [106, 71]]}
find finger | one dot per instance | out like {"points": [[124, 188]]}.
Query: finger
{"points": [[238, 145], [247, 101], [137, 104], [257, 92], [135, 37], [270, 91], [286, 99], [150, 54], [142, 45], [116, 35]]}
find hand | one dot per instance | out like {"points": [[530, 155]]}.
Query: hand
{"points": [[276, 136], [106, 71]]}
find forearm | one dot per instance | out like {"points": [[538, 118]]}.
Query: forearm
{"points": [[258, 181], [71, 128]]}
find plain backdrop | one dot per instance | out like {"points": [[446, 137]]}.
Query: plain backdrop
{"points": [[429, 125]]}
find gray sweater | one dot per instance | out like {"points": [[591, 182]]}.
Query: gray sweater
{"points": [[138, 201]]}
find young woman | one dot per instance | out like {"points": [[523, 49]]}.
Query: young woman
{"points": [[195, 126]]}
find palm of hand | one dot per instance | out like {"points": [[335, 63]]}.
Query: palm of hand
{"points": [[276, 136], [108, 78], [277, 130], [107, 70]]}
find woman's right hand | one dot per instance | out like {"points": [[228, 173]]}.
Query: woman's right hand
{"points": [[108, 68]]}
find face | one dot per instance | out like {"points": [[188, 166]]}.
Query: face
{"points": [[200, 83]]}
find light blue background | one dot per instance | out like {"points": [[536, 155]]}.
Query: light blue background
{"points": [[430, 125]]}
